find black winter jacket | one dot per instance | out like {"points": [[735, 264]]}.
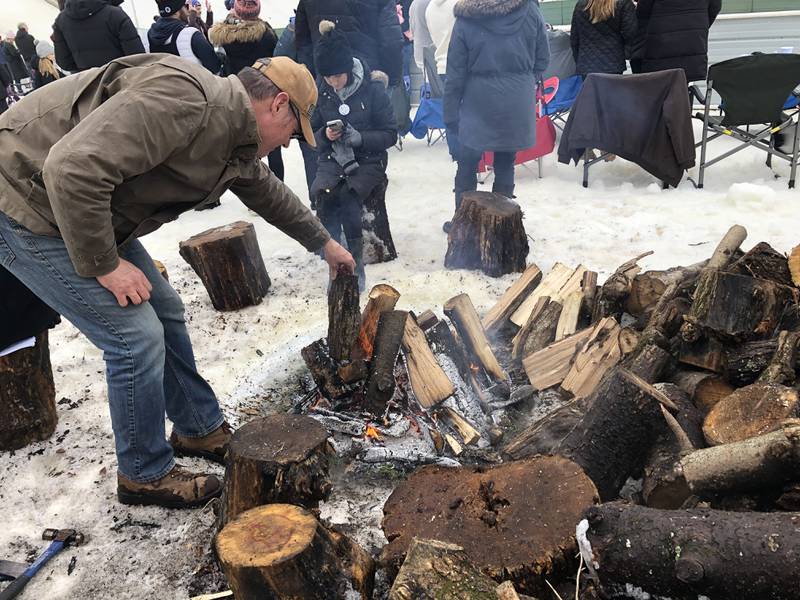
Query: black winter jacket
{"points": [[26, 44], [600, 47], [244, 41], [14, 61], [22, 314], [371, 27], [371, 114], [173, 36], [90, 33], [676, 35]]}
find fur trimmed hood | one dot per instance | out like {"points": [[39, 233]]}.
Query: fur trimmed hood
{"points": [[235, 29], [381, 77], [472, 9]]}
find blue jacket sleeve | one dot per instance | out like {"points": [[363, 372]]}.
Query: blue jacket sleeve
{"points": [[204, 51]]}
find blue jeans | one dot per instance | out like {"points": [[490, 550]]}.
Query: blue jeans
{"points": [[467, 175], [150, 368]]}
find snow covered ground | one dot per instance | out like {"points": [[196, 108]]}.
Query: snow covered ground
{"points": [[252, 358]]}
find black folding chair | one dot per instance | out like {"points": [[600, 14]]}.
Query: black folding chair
{"points": [[756, 90]]}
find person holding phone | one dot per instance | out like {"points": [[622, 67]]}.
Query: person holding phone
{"points": [[354, 125]]}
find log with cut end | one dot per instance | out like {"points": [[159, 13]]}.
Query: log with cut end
{"points": [[500, 313], [548, 367], [464, 428], [692, 553], [764, 262], [228, 261], [27, 396], [704, 388], [617, 287], [744, 363], [750, 411], [429, 382], [550, 286], [324, 370], [706, 353], [515, 521], [794, 265], [344, 316], [462, 313], [647, 287], [539, 331], [427, 319], [381, 298], [280, 458], [781, 367], [375, 231], [381, 384], [599, 354], [487, 234], [281, 551], [590, 291]]}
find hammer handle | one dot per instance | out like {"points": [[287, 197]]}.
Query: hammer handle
{"points": [[15, 588]]}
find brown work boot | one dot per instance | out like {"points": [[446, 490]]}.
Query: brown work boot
{"points": [[212, 446], [177, 489]]}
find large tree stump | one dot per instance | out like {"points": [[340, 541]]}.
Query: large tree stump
{"points": [[487, 234], [281, 552], [344, 316], [692, 553], [280, 458], [27, 396], [378, 242], [515, 521], [228, 261]]}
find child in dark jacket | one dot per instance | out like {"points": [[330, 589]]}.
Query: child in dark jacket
{"points": [[354, 125]]}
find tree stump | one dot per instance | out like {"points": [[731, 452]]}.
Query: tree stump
{"points": [[228, 261], [487, 234], [692, 553], [281, 552], [514, 521], [378, 242], [27, 396], [280, 458]]}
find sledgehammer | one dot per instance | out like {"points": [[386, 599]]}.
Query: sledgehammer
{"points": [[61, 539]]}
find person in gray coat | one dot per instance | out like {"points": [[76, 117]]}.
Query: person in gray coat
{"points": [[497, 52]]}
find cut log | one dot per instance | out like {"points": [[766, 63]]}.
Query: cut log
{"points": [[280, 458], [467, 432], [590, 292], [515, 521], [745, 363], [794, 265], [750, 411], [428, 381], [455, 446], [628, 340], [705, 353], [27, 396], [570, 313], [693, 553], [228, 261], [381, 298], [500, 313], [705, 389], [764, 262], [324, 370], [436, 570], [549, 366], [539, 331], [344, 316], [487, 234], [599, 354], [781, 367], [375, 230], [647, 287], [616, 289], [381, 384], [466, 321], [427, 320], [550, 286], [280, 551]]}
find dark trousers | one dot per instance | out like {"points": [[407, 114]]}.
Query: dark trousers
{"points": [[275, 162], [310, 164], [467, 175], [450, 135], [340, 210]]}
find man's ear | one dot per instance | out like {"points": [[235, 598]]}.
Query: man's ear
{"points": [[281, 99]]}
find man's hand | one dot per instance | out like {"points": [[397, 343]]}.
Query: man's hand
{"points": [[336, 256], [128, 282], [333, 134]]}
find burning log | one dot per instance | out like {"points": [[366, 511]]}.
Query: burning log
{"points": [[549, 366], [27, 396], [515, 521], [545, 434], [487, 234], [324, 370], [510, 301], [381, 385], [557, 284], [705, 389], [462, 314], [539, 331], [686, 554], [764, 262], [375, 230], [344, 316], [382, 298], [282, 551], [428, 381], [228, 262], [599, 354], [614, 292], [280, 458], [467, 432]]}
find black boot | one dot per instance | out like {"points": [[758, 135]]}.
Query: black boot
{"points": [[356, 248], [504, 190]]}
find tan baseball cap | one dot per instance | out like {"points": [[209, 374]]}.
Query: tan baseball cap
{"points": [[298, 83]]}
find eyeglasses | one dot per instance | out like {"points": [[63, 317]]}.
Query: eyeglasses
{"points": [[297, 135]]}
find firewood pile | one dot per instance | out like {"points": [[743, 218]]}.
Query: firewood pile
{"points": [[676, 390]]}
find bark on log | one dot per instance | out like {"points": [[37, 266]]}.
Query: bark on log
{"points": [[27, 396], [487, 234], [515, 521], [344, 316], [686, 554], [549, 366], [500, 313], [281, 552], [705, 389], [647, 287], [381, 298], [590, 292], [539, 331], [551, 286], [381, 384], [764, 262], [324, 370], [429, 382], [466, 321], [375, 230], [745, 363], [228, 261], [277, 459], [781, 368], [616, 289], [705, 353]]}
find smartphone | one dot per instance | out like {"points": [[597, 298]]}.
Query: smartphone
{"points": [[336, 125]]}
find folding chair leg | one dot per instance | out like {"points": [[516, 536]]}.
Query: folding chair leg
{"points": [[539, 161], [795, 153], [586, 168], [703, 149]]}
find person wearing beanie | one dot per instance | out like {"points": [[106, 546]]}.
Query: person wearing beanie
{"points": [[354, 126], [43, 65], [13, 58], [90, 33], [171, 34], [26, 43]]}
